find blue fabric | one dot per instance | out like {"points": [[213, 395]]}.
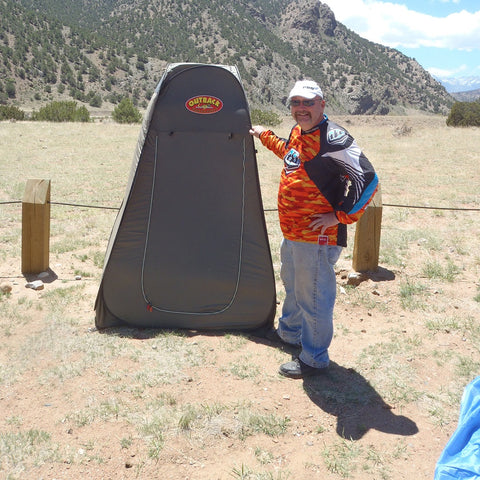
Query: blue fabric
{"points": [[366, 196], [461, 457], [308, 275]]}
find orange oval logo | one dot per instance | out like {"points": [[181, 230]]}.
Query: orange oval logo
{"points": [[204, 104]]}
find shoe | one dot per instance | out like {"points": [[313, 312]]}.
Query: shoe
{"points": [[274, 337], [297, 369]]}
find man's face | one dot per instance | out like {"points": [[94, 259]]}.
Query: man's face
{"points": [[307, 113]]}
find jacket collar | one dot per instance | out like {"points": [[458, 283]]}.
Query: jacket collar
{"points": [[316, 127]]}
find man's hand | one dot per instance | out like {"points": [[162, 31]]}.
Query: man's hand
{"points": [[257, 130], [324, 220]]}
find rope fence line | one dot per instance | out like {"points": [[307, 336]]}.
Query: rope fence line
{"points": [[457, 209], [36, 219], [433, 208], [84, 206]]}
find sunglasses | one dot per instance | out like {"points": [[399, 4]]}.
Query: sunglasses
{"points": [[305, 103]]}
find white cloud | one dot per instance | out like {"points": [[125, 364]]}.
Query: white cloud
{"points": [[447, 73], [395, 25]]}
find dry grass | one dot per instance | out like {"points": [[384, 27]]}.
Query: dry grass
{"points": [[156, 404]]}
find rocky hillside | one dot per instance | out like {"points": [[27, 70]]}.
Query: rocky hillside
{"points": [[98, 51], [470, 96]]}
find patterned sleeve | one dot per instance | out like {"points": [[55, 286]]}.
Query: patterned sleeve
{"points": [[276, 144], [347, 219]]}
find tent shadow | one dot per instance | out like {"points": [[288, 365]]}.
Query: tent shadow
{"points": [[127, 331], [147, 333], [346, 394], [144, 333]]}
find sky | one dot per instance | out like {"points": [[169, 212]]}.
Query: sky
{"points": [[442, 35]]}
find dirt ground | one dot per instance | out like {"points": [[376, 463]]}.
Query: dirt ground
{"points": [[139, 403]]}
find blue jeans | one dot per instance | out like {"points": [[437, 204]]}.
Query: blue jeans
{"points": [[308, 276]]}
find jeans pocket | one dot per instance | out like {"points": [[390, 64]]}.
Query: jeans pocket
{"points": [[333, 253]]}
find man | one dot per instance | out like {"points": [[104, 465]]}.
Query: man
{"points": [[326, 183]]}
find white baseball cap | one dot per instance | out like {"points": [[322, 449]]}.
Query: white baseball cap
{"points": [[306, 89]]}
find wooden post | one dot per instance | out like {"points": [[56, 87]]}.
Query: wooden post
{"points": [[366, 249], [36, 226]]}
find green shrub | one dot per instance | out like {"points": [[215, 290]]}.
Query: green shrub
{"points": [[464, 114], [63, 111], [267, 118], [11, 113], [126, 112], [95, 101], [10, 88]]}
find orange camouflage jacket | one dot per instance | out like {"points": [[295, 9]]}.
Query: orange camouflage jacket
{"points": [[324, 171]]}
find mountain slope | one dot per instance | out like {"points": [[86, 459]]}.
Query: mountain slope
{"points": [[468, 96], [97, 51]]}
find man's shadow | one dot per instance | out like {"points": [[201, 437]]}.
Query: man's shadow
{"points": [[344, 393], [339, 391]]}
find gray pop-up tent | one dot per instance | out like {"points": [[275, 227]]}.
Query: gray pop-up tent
{"points": [[189, 247]]}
